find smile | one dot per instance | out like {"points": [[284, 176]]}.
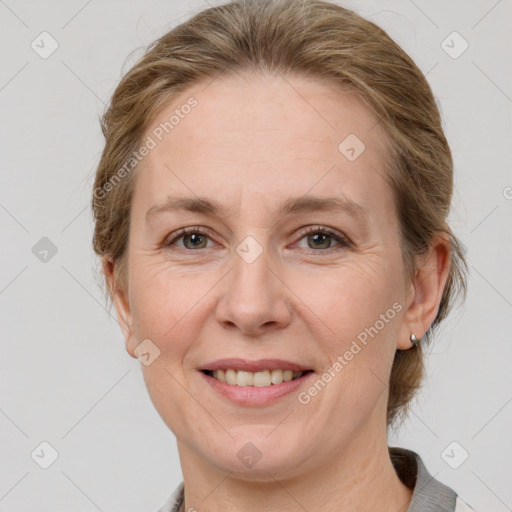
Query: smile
{"points": [[263, 378]]}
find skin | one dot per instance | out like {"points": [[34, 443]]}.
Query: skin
{"points": [[250, 144]]}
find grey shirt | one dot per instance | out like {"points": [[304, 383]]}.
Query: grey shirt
{"points": [[429, 495]]}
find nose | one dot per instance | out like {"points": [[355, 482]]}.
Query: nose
{"points": [[255, 298]]}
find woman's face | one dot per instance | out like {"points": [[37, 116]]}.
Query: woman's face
{"points": [[277, 158]]}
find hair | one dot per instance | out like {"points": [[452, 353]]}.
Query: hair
{"points": [[311, 39]]}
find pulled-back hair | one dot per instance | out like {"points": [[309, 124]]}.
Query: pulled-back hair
{"points": [[314, 39]]}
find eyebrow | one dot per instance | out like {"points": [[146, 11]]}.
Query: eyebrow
{"points": [[302, 204]]}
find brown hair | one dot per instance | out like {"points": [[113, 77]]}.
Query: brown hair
{"points": [[310, 38]]}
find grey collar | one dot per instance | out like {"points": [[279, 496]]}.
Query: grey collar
{"points": [[429, 494]]}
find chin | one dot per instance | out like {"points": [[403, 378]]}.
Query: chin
{"points": [[260, 453]]}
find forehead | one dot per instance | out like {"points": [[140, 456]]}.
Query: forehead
{"points": [[255, 138]]}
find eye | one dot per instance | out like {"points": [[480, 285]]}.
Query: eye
{"points": [[319, 237], [193, 238]]}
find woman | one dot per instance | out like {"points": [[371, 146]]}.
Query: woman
{"points": [[270, 211]]}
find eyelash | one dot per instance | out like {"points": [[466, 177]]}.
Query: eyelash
{"points": [[342, 240]]}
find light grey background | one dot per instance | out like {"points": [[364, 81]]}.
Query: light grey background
{"points": [[65, 375]]}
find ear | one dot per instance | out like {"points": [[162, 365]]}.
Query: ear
{"points": [[121, 303], [425, 291]]}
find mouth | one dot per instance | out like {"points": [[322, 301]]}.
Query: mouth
{"points": [[262, 378], [255, 383]]}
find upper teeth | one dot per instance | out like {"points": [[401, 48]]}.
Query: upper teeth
{"points": [[259, 379]]}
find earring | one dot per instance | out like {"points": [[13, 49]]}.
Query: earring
{"points": [[414, 340]]}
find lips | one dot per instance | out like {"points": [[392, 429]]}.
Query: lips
{"points": [[255, 383], [254, 366]]}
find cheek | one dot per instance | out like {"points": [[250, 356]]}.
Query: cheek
{"points": [[357, 310], [167, 304], [168, 396], [342, 302]]}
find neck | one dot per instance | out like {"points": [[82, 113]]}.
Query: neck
{"points": [[359, 477]]}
